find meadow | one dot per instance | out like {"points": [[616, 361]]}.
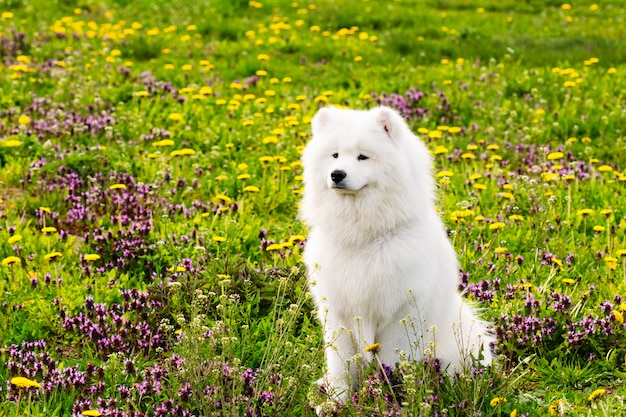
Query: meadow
{"points": [[149, 184]]}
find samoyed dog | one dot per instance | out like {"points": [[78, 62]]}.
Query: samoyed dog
{"points": [[380, 266]]}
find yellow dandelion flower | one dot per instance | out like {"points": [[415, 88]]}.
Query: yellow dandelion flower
{"points": [[584, 212], [435, 134], [11, 260], [270, 139], [598, 228], [49, 229], [296, 238], [506, 194], [182, 152], [496, 225], [117, 187], [52, 255], [91, 413], [243, 177], [620, 253], [459, 215], [13, 239], [219, 238], [223, 198], [251, 189], [555, 155], [91, 257], [501, 249], [605, 168], [23, 120], [611, 262], [373, 348], [177, 268], [553, 409], [11, 143], [440, 150], [175, 117], [550, 176], [274, 246], [162, 143], [442, 174], [596, 394], [497, 401], [479, 186], [556, 261], [619, 317], [20, 381], [516, 217]]}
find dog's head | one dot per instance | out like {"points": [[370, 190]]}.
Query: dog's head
{"points": [[351, 148], [364, 161]]}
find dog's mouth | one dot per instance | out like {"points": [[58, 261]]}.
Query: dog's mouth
{"points": [[342, 189]]}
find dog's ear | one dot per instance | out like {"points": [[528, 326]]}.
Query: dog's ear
{"points": [[321, 119], [387, 119]]}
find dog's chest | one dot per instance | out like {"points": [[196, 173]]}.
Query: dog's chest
{"points": [[371, 281]]}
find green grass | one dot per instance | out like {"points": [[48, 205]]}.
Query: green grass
{"points": [[197, 303]]}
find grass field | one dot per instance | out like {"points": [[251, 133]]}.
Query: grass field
{"points": [[150, 178]]}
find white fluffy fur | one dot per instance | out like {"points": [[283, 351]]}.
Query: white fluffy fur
{"points": [[381, 268]]}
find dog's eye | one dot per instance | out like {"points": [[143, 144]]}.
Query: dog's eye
{"points": [[335, 155], [362, 157]]}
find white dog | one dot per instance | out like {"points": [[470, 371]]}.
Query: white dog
{"points": [[381, 268]]}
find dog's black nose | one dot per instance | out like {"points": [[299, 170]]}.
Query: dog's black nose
{"points": [[337, 176]]}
